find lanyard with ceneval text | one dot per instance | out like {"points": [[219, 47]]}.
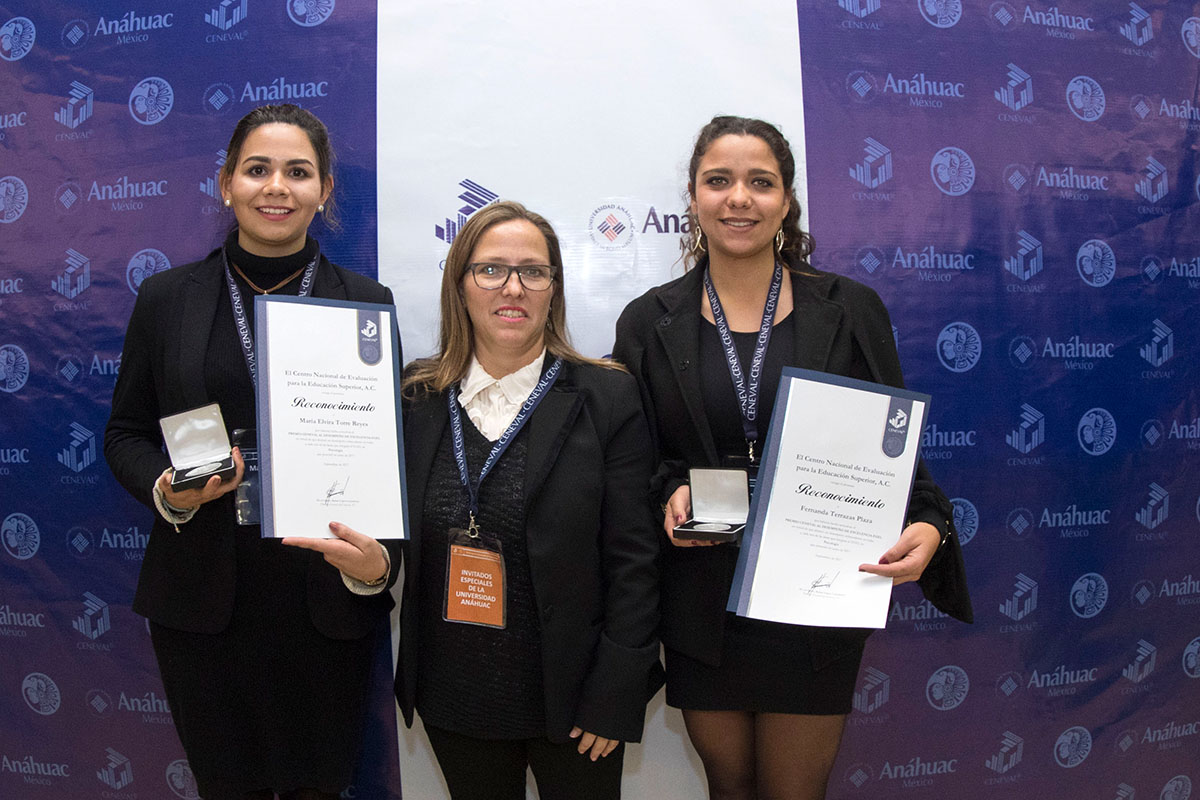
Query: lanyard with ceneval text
{"points": [[747, 390], [245, 335], [475, 581], [247, 500]]}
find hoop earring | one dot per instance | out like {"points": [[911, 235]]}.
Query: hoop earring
{"points": [[779, 240], [698, 248]]}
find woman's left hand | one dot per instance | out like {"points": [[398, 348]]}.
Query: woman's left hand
{"points": [[599, 746], [909, 556], [353, 553]]}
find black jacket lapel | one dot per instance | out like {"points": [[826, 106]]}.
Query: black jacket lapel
{"points": [[679, 332]]}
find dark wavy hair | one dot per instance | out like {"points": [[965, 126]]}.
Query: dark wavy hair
{"points": [[288, 114], [798, 244]]}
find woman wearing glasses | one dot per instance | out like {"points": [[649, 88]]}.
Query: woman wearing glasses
{"points": [[531, 600]]}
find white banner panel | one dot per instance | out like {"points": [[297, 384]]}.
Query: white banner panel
{"points": [[585, 112]]}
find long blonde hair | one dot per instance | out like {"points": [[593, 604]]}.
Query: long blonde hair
{"points": [[457, 336]]}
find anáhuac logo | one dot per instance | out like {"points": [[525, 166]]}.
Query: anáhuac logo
{"points": [[1189, 31], [1072, 747], [282, 90], [947, 688], [869, 258], [923, 91], [611, 227], [16, 623], [1074, 522], [132, 27], [1168, 736], [1153, 434], [41, 693], [923, 615], [10, 120], [966, 519], [936, 442], [1016, 94], [1191, 658], [81, 542], [14, 368], [309, 13], [75, 34], [34, 772], [959, 347], [218, 98], [1018, 178], [14, 198], [1070, 183], [151, 101], [1178, 788], [932, 264], [99, 702], [1085, 98], [68, 197], [1057, 24], [1002, 16], [1096, 431], [665, 222], [474, 196], [1089, 595], [126, 195], [1153, 269], [1096, 262], [145, 263], [179, 773], [1022, 352], [953, 171], [16, 38], [941, 13], [862, 86], [21, 536], [1186, 590]]}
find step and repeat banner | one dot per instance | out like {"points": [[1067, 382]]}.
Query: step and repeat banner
{"points": [[1018, 181]]}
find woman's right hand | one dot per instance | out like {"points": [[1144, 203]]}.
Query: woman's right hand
{"points": [[677, 510], [194, 498]]}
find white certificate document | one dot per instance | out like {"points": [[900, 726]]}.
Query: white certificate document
{"points": [[833, 493], [329, 431]]}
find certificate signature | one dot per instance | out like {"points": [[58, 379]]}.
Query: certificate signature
{"points": [[336, 489], [823, 581]]}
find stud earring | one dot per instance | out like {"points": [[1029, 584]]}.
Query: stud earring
{"points": [[228, 202], [320, 208]]}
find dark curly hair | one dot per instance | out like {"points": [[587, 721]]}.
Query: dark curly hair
{"points": [[797, 244]]}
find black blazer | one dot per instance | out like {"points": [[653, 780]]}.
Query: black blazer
{"points": [[187, 578], [841, 327], [591, 551]]}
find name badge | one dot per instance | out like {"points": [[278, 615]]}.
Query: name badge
{"points": [[475, 585], [247, 498]]}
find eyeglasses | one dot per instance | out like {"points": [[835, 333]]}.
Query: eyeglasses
{"points": [[534, 277]]}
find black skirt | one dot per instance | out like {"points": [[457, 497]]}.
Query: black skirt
{"points": [[765, 667], [270, 702]]}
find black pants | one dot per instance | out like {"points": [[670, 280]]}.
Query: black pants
{"points": [[485, 769]]}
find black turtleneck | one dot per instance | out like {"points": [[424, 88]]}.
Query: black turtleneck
{"points": [[226, 378]]}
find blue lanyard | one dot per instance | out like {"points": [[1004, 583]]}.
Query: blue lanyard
{"points": [[245, 335], [514, 427], [747, 390]]}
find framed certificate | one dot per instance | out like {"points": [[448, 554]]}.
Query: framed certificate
{"points": [[330, 437], [832, 494]]}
